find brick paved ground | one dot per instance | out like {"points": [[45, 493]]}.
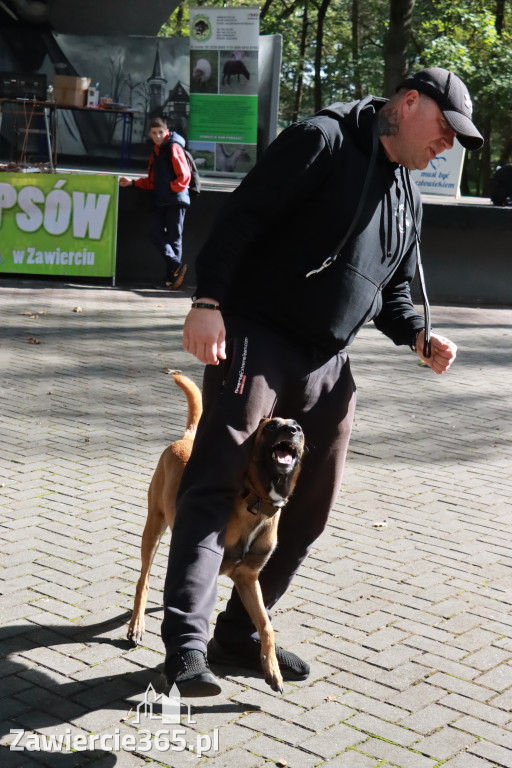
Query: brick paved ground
{"points": [[402, 608]]}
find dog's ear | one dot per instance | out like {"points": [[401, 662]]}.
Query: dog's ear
{"points": [[257, 433]]}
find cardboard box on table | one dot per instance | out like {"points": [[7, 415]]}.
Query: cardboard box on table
{"points": [[70, 91]]}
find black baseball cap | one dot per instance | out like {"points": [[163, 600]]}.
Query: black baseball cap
{"points": [[453, 99]]}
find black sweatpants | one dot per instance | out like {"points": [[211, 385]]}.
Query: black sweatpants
{"points": [[264, 375]]}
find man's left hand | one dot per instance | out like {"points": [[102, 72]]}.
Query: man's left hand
{"points": [[443, 352]]}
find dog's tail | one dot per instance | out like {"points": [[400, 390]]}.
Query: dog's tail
{"points": [[194, 400]]}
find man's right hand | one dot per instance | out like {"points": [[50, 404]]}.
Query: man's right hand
{"points": [[204, 334]]}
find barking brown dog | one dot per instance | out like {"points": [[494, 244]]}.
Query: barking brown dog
{"points": [[251, 533]]}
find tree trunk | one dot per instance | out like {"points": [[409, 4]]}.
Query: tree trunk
{"points": [[300, 72], [486, 171], [317, 81], [180, 15], [506, 153], [485, 158], [355, 49], [265, 9], [500, 16], [396, 44]]}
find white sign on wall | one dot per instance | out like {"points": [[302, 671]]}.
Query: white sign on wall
{"points": [[442, 174]]}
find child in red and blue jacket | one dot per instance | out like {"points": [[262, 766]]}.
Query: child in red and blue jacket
{"points": [[168, 177]]}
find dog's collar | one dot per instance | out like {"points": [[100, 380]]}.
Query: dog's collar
{"points": [[257, 505]]}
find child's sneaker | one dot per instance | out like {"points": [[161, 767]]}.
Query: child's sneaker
{"points": [[177, 278]]}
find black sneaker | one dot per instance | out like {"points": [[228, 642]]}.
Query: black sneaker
{"points": [[177, 278], [248, 655], [191, 673]]}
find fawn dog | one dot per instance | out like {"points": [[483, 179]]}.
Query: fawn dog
{"points": [[251, 533]]}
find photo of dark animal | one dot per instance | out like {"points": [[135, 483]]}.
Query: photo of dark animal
{"points": [[234, 67], [251, 533]]}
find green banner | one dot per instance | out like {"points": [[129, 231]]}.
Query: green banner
{"points": [[53, 224], [223, 118]]}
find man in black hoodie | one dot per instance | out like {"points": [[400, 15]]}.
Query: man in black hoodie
{"points": [[319, 238]]}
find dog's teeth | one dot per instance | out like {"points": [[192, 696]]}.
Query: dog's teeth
{"points": [[282, 456]]}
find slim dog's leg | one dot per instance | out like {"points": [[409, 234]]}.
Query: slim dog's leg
{"points": [[248, 586], [153, 532]]}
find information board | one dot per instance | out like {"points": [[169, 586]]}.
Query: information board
{"points": [[223, 128]]}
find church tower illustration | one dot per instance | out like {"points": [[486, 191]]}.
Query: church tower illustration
{"points": [[157, 85]]}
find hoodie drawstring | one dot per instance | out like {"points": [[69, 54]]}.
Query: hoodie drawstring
{"points": [[364, 194], [406, 181], [427, 347]]}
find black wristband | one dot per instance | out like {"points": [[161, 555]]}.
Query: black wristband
{"points": [[414, 339], [204, 305]]}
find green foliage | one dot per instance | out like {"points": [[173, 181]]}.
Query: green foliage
{"points": [[463, 36], [465, 39]]}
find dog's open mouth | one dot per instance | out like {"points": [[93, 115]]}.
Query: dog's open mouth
{"points": [[284, 452]]}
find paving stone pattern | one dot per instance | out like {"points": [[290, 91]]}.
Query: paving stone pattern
{"points": [[402, 607]]}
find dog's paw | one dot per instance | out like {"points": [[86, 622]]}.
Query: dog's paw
{"points": [[135, 633], [275, 682], [272, 675]]}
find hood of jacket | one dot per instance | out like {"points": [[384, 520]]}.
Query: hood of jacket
{"points": [[358, 117], [176, 138], [173, 138]]}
